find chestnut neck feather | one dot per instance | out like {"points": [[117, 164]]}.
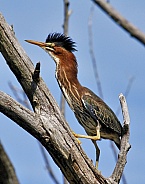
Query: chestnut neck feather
{"points": [[66, 74]]}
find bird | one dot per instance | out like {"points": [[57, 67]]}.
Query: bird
{"points": [[93, 114]]}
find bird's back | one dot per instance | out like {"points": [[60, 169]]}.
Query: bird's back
{"points": [[93, 111]]}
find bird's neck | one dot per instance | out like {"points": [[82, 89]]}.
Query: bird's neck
{"points": [[68, 82]]}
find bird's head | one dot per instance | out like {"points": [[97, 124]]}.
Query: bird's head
{"points": [[58, 46]]}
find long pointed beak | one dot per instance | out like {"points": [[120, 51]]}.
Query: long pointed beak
{"points": [[40, 44]]}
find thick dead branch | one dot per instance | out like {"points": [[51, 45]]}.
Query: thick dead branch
{"points": [[7, 172], [46, 124], [121, 21]]}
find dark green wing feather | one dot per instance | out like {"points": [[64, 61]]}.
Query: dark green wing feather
{"points": [[101, 112]]}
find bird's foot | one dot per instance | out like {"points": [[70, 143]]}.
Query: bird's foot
{"points": [[79, 142]]}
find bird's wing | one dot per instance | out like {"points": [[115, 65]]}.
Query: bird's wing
{"points": [[101, 112]]}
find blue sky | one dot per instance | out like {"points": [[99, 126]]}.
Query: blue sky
{"points": [[119, 57]]}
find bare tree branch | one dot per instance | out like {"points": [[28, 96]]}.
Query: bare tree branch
{"points": [[7, 172], [125, 146], [121, 21]]}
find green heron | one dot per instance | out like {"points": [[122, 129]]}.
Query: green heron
{"points": [[98, 120]]}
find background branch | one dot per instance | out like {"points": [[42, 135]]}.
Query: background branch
{"points": [[121, 21], [7, 172], [67, 13], [93, 58], [68, 155]]}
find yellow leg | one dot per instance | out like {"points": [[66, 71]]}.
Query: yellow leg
{"points": [[79, 142], [95, 138]]}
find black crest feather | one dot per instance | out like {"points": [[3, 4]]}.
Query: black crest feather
{"points": [[62, 41]]}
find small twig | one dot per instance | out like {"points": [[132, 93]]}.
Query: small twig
{"points": [[16, 91], [121, 21], [36, 74], [125, 112], [93, 59], [125, 146]]}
